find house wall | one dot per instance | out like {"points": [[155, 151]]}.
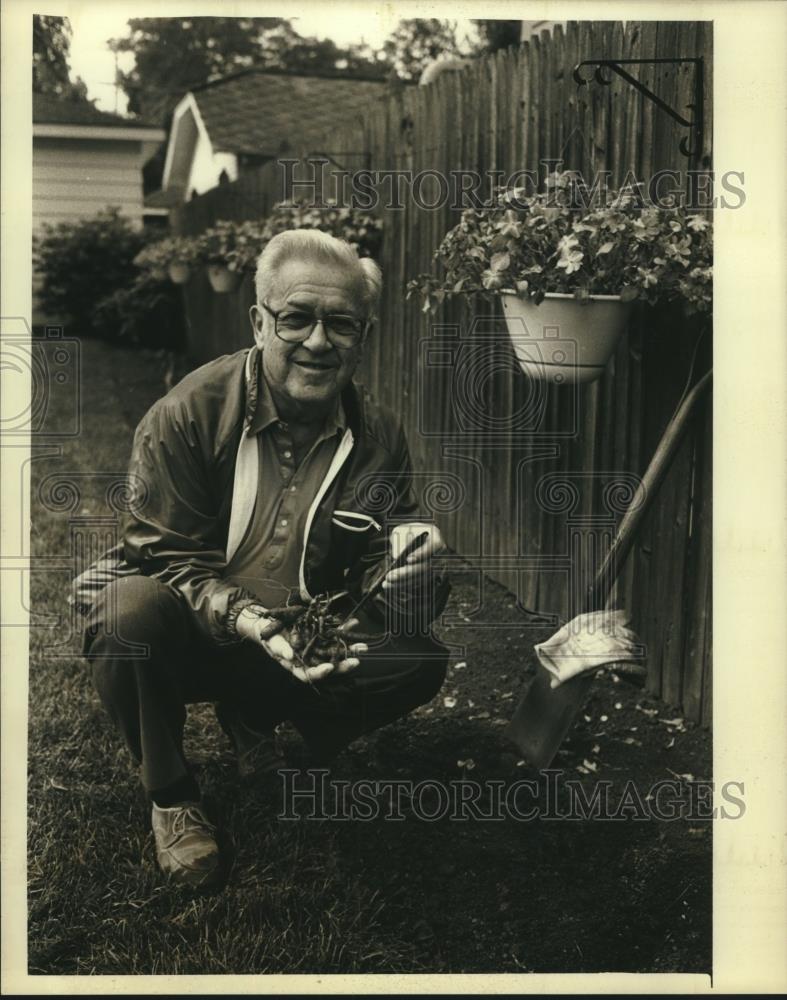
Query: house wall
{"points": [[76, 178]]}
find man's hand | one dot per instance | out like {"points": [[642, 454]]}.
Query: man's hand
{"points": [[419, 562], [268, 633]]}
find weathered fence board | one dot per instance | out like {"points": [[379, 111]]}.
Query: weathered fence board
{"points": [[510, 112]]}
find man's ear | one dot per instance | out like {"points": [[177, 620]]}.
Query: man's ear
{"points": [[365, 341], [257, 320]]}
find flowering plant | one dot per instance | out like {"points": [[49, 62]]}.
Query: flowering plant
{"points": [[170, 250], [155, 256], [360, 229], [233, 244], [250, 240], [559, 241], [237, 245], [183, 250]]}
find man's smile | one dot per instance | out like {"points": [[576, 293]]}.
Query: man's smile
{"points": [[315, 366]]}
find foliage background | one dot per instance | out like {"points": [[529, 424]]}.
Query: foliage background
{"points": [[88, 278], [51, 70]]}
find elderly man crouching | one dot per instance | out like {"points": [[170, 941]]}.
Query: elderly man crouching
{"points": [[255, 468]]}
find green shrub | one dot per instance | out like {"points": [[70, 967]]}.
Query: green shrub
{"points": [[82, 262], [148, 313]]}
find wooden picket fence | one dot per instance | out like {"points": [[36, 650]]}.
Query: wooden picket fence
{"points": [[506, 463]]}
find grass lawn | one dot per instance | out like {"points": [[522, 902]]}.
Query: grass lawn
{"points": [[346, 896]]}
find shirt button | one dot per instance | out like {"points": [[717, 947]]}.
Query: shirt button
{"points": [[293, 489], [288, 454], [284, 522]]}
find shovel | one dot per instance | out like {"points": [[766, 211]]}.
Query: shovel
{"points": [[544, 715]]}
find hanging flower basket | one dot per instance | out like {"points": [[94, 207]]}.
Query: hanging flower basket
{"points": [[222, 279], [360, 229], [171, 256], [227, 250], [567, 263], [564, 340], [179, 273]]}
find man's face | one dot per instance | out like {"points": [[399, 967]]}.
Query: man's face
{"points": [[313, 372]]}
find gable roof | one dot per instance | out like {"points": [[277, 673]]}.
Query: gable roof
{"points": [[50, 110], [264, 112]]}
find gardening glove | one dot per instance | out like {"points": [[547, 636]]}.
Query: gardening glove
{"points": [[586, 643], [419, 562]]}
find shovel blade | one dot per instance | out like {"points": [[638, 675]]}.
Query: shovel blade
{"points": [[544, 716]]}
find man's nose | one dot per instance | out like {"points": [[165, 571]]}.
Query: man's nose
{"points": [[317, 342]]}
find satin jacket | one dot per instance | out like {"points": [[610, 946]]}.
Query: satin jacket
{"points": [[194, 467]]}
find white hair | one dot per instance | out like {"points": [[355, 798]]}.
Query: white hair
{"points": [[316, 245]]}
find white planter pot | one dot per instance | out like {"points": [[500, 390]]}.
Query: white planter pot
{"points": [[563, 340], [223, 280], [179, 273]]}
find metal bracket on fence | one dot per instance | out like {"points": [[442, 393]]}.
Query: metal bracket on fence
{"points": [[691, 145]]}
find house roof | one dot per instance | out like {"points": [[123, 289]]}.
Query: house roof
{"points": [[264, 112], [49, 110], [165, 198]]}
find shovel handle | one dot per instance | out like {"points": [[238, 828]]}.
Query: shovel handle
{"points": [[545, 714], [643, 498]]}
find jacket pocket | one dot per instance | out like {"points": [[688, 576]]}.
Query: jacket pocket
{"points": [[352, 520]]}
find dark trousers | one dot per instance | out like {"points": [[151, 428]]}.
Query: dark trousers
{"points": [[149, 661]]}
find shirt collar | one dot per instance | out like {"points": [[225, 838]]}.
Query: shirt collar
{"points": [[265, 413]]}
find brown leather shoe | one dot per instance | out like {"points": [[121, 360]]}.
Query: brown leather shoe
{"points": [[186, 845]]}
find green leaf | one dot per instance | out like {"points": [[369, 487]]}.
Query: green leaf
{"points": [[605, 248], [500, 262]]}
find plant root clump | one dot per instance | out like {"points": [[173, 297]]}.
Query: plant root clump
{"points": [[313, 629]]}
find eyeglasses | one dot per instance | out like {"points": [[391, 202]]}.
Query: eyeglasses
{"points": [[294, 326]]}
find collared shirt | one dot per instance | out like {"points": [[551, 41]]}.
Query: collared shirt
{"points": [[267, 561]]}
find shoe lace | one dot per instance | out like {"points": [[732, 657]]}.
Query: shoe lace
{"points": [[191, 818]]}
